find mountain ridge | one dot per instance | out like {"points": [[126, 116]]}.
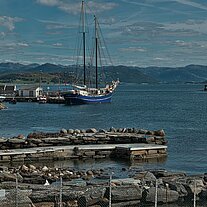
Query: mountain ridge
{"points": [[130, 74]]}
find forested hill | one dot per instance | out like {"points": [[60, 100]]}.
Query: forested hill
{"points": [[16, 72]]}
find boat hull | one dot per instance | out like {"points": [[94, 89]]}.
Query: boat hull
{"points": [[77, 99]]}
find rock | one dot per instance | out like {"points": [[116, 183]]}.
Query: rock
{"points": [[112, 129], [2, 106], [163, 195], [45, 169], [126, 193], [150, 132], [91, 130], [77, 131], [73, 203], [21, 136], [24, 168], [63, 131], [70, 131], [3, 140], [102, 131], [6, 176], [16, 141], [83, 131], [159, 133], [146, 175], [142, 131], [45, 204], [32, 167]]}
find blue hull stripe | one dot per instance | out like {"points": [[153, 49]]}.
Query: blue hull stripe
{"points": [[78, 99]]}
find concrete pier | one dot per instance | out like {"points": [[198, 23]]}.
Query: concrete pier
{"points": [[126, 151]]}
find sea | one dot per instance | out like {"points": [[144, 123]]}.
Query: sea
{"points": [[181, 110]]}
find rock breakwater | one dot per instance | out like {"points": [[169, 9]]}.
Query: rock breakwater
{"points": [[84, 137], [91, 187]]}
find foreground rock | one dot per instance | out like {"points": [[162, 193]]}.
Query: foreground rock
{"points": [[138, 190]]}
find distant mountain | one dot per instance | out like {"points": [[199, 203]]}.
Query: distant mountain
{"points": [[190, 73]]}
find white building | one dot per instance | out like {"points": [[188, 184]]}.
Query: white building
{"points": [[30, 91]]}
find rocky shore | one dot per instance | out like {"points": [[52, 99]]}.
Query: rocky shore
{"points": [[2, 106], [84, 137], [40, 186]]}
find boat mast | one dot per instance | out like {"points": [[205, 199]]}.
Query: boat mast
{"points": [[84, 42], [96, 45]]}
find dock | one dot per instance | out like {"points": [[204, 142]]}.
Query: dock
{"points": [[119, 151]]}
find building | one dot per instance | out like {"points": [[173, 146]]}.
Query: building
{"points": [[30, 91], [8, 89]]}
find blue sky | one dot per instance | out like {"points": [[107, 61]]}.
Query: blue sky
{"points": [[137, 32]]}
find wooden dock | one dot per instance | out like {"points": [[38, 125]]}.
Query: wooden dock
{"points": [[120, 151]]}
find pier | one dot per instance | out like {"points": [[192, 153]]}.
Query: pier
{"points": [[126, 151], [122, 143]]}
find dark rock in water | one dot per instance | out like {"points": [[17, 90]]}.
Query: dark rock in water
{"points": [[63, 131], [102, 131], [112, 129], [92, 130], [159, 133], [142, 131]]}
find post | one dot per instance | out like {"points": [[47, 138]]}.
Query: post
{"points": [[110, 178], [194, 199], [156, 188], [61, 192], [167, 185], [16, 197]]}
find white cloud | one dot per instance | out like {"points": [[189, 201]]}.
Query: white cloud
{"points": [[9, 22], [57, 44], [192, 4], [133, 49], [49, 2], [75, 7]]}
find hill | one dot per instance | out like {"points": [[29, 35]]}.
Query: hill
{"points": [[16, 72]]}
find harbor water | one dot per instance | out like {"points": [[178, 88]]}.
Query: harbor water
{"points": [[180, 110]]}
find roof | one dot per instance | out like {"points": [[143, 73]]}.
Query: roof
{"points": [[29, 88]]}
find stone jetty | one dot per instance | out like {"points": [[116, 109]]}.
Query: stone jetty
{"points": [[126, 143], [40, 186]]}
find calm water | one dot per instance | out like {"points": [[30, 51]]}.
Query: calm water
{"points": [[181, 110]]}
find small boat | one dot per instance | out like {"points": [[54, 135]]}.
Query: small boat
{"points": [[205, 88], [42, 100], [91, 90], [2, 98], [13, 101]]}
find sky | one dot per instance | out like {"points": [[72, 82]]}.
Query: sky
{"points": [[137, 32]]}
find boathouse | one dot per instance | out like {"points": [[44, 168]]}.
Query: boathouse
{"points": [[30, 91]]}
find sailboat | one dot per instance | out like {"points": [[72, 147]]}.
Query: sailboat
{"points": [[86, 93]]}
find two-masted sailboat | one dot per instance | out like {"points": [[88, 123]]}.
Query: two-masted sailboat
{"points": [[90, 92]]}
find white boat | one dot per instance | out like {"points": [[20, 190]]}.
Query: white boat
{"points": [[42, 100], [92, 89]]}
